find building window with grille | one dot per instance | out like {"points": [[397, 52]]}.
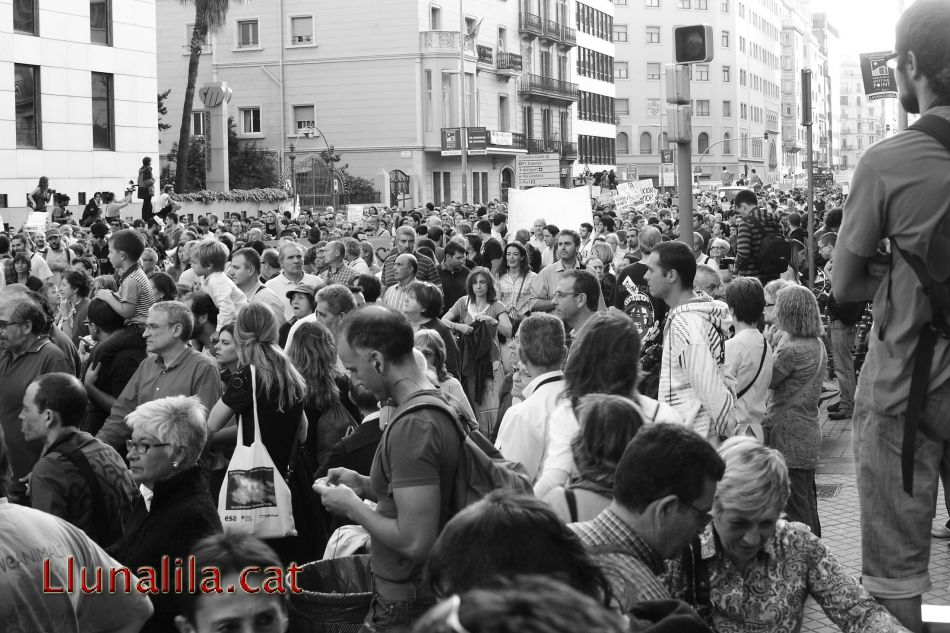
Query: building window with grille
{"points": [[620, 70], [248, 34], [653, 71], [301, 30], [702, 107], [646, 143], [103, 112], [620, 32], [480, 187], [727, 108], [702, 143], [725, 39], [250, 120], [441, 187], [653, 35], [26, 81], [100, 22], [304, 118]]}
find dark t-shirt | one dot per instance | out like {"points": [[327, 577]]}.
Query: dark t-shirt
{"points": [[420, 449], [635, 272], [278, 428]]}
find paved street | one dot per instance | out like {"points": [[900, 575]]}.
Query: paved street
{"points": [[840, 525]]}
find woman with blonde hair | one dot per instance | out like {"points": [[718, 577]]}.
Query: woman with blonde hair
{"points": [[279, 391], [791, 419]]}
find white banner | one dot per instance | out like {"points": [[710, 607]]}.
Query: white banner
{"points": [[564, 208]]}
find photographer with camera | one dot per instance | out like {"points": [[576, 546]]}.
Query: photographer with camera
{"points": [[111, 207], [40, 197], [146, 187]]}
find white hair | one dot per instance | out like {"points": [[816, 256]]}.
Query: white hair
{"points": [[179, 420], [756, 478]]}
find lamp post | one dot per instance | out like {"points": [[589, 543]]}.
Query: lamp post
{"points": [[293, 175]]}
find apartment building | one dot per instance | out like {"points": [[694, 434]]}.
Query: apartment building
{"points": [[379, 81], [829, 45], [863, 120], [80, 106], [736, 98], [595, 114]]}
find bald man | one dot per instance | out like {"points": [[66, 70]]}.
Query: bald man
{"points": [[406, 267]]}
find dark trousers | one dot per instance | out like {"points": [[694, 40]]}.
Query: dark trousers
{"points": [[147, 208], [802, 505]]}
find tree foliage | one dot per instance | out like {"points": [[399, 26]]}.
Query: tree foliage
{"points": [[163, 110]]}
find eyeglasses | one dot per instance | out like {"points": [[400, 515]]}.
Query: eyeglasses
{"points": [[560, 295], [5, 324], [140, 447], [444, 617], [706, 516]]}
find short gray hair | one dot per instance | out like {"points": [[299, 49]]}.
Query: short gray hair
{"points": [[541, 340], [178, 314], [179, 420], [756, 478], [648, 238]]}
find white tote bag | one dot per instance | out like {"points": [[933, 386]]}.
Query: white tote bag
{"points": [[254, 497]]}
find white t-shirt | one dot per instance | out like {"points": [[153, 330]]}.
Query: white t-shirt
{"points": [[28, 539], [743, 358]]}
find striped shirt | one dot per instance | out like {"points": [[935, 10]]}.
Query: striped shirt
{"points": [[135, 288], [749, 237], [428, 270], [632, 567]]}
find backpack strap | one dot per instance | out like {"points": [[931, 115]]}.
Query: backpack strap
{"points": [[571, 499], [71, 450], [938, 128]]}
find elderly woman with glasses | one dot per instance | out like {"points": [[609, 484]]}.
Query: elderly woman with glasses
{"points": [[760, 568], [175, 509]]}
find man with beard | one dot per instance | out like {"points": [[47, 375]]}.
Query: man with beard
{"points": [[900, 191]]}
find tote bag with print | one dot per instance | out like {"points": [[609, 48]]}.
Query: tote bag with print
{"points": [[254, 497]]}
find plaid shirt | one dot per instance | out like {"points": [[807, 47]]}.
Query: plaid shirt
{"points": [[632, 567], [749, 237], [343, 275]]}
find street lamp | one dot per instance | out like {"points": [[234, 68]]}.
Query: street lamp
{"points": [[293, 175]]}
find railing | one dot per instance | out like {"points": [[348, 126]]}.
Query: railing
{"points": [[568, 35], [551, 29], [531, 23], [518, 140], [509, 61], [485, 55], [445, 41], [549, 87], [568, 149]]}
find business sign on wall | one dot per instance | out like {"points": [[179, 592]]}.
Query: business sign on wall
{"points": [[537, 170]]}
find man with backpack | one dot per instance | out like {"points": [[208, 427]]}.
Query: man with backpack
{"points": [[893, 247], [761, 248], [413, 472]]}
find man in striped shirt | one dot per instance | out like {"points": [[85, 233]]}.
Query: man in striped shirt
{"points": [[754, 225]]}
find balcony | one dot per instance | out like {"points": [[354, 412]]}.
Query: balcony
{"points": [[568, 150], [552, 30], [444, 42], [508, 64], [568, 36], [531, 24], [506, 143], [548, 88], [485, 55]]}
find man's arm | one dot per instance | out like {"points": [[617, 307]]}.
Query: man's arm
{"points": [[856, 278], [207, 385], [540, 295], [415, 527], [743, 245], [114, 432]]}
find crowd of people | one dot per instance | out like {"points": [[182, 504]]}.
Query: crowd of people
{"points": [[603, 427]]}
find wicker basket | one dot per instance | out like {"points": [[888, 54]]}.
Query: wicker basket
{"points": [[335, 596]]}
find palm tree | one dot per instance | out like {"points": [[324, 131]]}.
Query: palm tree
{"points": [[209, 15]]}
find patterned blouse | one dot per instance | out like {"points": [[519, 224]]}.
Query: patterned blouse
{"points": [[792, 415], [515, 291], [770, 594]]}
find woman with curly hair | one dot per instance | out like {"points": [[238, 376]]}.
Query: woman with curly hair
{"points": [[608, 423], [791, 420]]}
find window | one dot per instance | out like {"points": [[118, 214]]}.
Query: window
{"points": [[247, 34], [480, 187], [25, 13], [844, 100], [724, 6], [702, 72], [620, 32], [427, 104], [727, 143], [504, 118], [502, 40], [702, 143], [743, 111], [653, 70], [303, 117], [250, 120], [725, 39], [301, 30], [702, 5], [620, 3], [449, 101], [441, 187], [100, 22], [27, 99], [103, 121], [620, 70], [702, 107], [742, 78], [189, 31], [682, 4], [622, 106], [741, 44], [652, 3], [653, 35], [727, 108], [646, 143], [623, 143], [435, 20], [198, 123], [726, 78]]}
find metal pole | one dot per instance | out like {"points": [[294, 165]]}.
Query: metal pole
{"points": [[463, 132], [684, 190], [811, 209]]}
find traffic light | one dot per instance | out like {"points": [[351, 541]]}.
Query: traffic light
{"points": [[693, 44]]}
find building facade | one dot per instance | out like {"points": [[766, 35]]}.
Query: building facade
{"points": [[736, 98], [80, 108], [828, 42], [863, 121], [595, 116], [380, 83]]}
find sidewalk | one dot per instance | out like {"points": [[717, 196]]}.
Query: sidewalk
{"points": [[840, 519]]}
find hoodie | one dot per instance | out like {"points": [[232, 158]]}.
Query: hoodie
{"points": [[693, 380]]}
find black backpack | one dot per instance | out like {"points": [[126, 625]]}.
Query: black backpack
{"points": [[775, 252], [933, 273], [481, 467]]}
